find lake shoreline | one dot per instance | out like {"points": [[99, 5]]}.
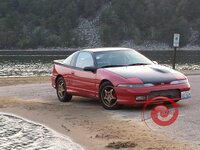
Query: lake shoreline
{"points": [[35, 78], [31, 63]]}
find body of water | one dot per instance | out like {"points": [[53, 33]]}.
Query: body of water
{"points": [[34, 63]]}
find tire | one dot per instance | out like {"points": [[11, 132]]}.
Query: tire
{"points": [[61, 91], [108, 97]]}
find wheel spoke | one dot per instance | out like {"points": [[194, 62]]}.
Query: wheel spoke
{"points": [[62, 89], [112, 96], [60, 93]]}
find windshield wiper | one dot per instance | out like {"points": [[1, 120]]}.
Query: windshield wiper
{"points": [[137, 64], [112, 66]]}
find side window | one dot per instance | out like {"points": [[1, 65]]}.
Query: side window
{"points": [[84, 59]]}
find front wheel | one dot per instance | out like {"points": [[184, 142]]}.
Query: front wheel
{"points": [[62, 94], [108, 96]]}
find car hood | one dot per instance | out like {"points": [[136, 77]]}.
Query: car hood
{"points": [[147, 73]]}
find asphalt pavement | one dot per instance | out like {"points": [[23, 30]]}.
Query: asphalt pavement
{"points": [[185, 128]]}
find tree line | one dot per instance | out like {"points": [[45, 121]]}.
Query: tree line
{"points": [[51, 23]]}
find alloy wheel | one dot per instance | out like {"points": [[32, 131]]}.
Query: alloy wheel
{"points": [[108, 96], [61, 89]]}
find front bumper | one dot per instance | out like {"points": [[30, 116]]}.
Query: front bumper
{"points": [[128, 95]]}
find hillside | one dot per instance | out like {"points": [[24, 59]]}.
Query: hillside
{"points": [[79, 23]]}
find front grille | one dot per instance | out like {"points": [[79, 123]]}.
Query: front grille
{"points": [[166, 93]]}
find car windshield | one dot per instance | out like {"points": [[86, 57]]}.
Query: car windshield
{"points": [[120, 58]]}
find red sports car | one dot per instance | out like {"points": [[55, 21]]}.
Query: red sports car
{"points": [[117, 76]]}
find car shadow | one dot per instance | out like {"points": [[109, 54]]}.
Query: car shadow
{"points": [[87, 102]]}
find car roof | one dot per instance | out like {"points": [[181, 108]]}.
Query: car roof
{"points": [[106, 49]]}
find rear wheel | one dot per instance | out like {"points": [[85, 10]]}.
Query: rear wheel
{"points": [[108, 96], [62, 94]]}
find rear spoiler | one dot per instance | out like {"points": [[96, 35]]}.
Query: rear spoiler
{"points": [[58, 61]]}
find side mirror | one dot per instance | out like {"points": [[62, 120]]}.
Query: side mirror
{"points": [[155, 62], [90, 68]]}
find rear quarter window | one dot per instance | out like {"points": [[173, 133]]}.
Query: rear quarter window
{"points": [[69, 59]]}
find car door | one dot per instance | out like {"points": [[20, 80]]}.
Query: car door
{"points": [[83, 82]]}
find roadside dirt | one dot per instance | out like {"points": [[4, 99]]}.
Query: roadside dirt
{"points": [[23, 80], [89, 125]]}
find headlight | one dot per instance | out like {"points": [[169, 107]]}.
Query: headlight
{"points": [[179, 81], [135, 85]]}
